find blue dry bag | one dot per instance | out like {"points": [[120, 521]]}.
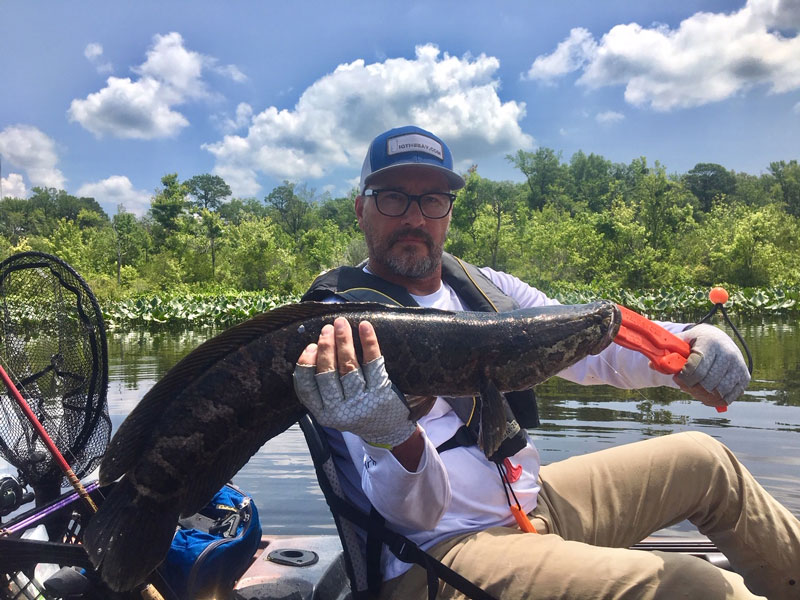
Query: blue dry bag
{"points": [[213, 548]]}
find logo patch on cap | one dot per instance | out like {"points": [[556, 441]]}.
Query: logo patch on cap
{"points": [[414, 142]]}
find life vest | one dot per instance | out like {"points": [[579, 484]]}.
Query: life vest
{"points": [[478, 293]]}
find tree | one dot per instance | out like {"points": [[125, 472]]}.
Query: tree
{"points": [[212, 225], [483, 213], [788, 177], [662, 207], [260, 256], [341, 211], [288, 209], [544, 172], [468, 204], [130, 239], [501, 197], [591, 176], [208, 190], [166, 206], [235, 211], [14, 221], [708, 181]]}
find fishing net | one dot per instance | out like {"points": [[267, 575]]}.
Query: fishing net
{"points": [[53, 347]]}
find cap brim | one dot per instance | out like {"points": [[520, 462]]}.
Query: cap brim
{"points": [[454, 179]]}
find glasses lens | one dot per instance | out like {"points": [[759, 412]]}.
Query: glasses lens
{"points": [[394, 204], [435, 206], [391, 203]]}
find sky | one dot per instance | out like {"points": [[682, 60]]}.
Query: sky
{"points": [[103, 98]]}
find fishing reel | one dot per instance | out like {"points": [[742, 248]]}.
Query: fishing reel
{"points": [[12, 495]]}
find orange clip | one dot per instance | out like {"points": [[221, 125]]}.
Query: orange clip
{"points": [[522, 519], [667, 352]]}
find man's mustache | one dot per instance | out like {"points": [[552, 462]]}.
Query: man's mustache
{"points": [[423, 236]]}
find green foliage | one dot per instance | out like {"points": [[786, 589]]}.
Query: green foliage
{"points": [[167, 206], [559, 248], [545, 174], [787, 176], [208, 190], [288, 209], [708, 182], [587, 228], [748, 247]]}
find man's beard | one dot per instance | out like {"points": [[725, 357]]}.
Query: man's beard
{"points": [[404, 264]]}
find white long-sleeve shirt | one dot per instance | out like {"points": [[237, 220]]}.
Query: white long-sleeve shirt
{"points": [[459, 490]]}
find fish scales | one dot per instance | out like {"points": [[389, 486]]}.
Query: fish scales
{"points": [[211, 412]]}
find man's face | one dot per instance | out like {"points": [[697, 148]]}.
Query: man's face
{"points": [[409, 245]]}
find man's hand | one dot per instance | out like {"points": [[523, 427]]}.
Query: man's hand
{"points": [[343, 395], [715, 372]]}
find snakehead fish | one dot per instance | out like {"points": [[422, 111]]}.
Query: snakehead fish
{"points": [[213, 410]]}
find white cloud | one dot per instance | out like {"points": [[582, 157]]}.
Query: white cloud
{"points": [[609, 117], [336, 117], [569, 55], [94, 53], [116, 190], [32, 151], [144, 108], [231, 72], [244, 113], [13, 186], [707, 58]]}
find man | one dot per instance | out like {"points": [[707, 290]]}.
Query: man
{"points": [[588, 509]]}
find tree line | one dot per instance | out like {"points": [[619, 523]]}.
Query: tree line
{"points": [[582, 222]]}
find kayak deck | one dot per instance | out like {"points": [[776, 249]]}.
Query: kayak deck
{"points": [[302, 567], [311, 567]]}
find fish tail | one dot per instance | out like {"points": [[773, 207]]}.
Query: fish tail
{"points": [[126, 541]]}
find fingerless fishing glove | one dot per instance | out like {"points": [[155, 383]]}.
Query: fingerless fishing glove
{"points": [[363, 402], [715, 362]]}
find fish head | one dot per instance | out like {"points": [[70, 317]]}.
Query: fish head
{"points": [[543, 341]]}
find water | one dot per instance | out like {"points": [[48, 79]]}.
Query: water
{"points": [[763, 428]]}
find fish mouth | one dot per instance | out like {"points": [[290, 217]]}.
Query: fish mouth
{"points": [[612, 328]]}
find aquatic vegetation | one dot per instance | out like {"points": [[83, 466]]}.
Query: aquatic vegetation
{"points": [[191, 310], [674, 302], [226, 309]]}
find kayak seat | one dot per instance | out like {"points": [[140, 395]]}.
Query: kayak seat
{"points": [[333, 482]]}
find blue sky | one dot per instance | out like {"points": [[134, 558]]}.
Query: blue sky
{"points": [[104, 98]]}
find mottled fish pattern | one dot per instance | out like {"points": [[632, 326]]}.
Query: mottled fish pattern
{"points": [[211, 412]]}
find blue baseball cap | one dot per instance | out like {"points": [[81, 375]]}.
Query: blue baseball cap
{"points": [[408, 145]]}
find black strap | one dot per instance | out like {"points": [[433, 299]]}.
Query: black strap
{"points": [[462, 437], [374, 546], [408, 552]]}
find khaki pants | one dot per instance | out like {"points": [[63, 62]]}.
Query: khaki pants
{"points": [[593, 507]]}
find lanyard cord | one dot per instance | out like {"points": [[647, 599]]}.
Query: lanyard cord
{"points": [[521, 518]]}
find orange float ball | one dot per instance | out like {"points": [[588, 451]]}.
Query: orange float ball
{"points": [[718, 295]]}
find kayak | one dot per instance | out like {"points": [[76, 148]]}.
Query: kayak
{"points": [[303, 567], [309, 567]]}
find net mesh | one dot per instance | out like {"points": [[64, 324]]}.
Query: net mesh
{"points": [[53, 347]]}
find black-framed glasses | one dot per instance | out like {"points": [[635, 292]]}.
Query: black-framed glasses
{"points": [[394, 203]]}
